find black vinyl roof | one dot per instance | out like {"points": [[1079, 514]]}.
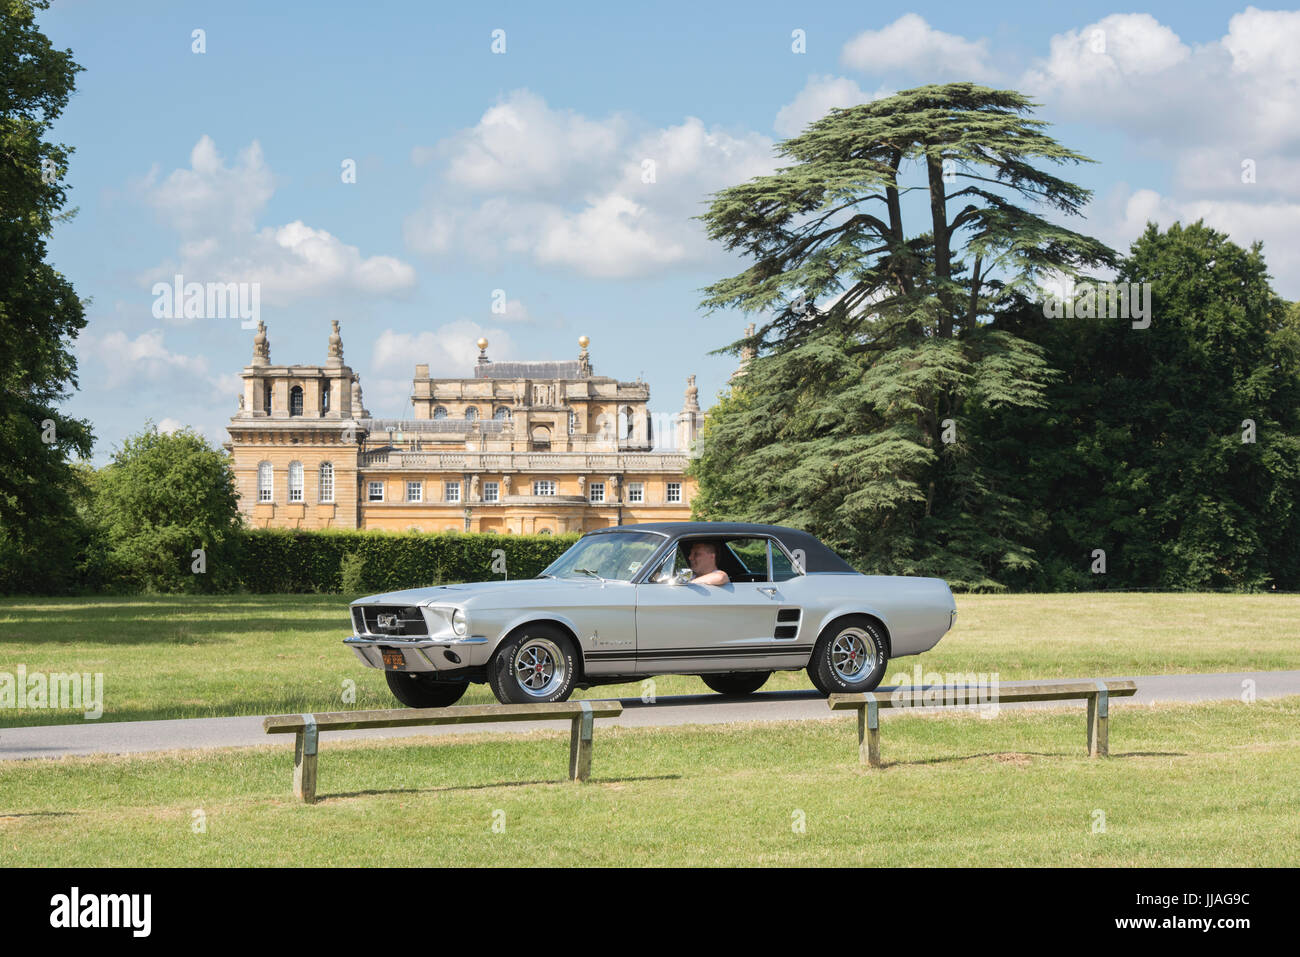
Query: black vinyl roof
{"points": [[817, 557]]}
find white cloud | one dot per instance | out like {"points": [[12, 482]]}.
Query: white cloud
{"points": [[911, 46], [1238, 96], [521, 145], [211, 196], [145, 358], [214, 207], [1205, 109], [515, 311], [584, 204], [818, 97], [451, 351], [614, 237], [1121, 215]]}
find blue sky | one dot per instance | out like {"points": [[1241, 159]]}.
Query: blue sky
{"points": [[521, 171]]}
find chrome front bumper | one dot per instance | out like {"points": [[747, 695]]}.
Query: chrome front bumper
{"points": [[422, 654]]}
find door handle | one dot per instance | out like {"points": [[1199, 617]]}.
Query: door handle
{"points": [[769, 592]]}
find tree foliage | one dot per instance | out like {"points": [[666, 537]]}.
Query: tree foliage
{"points": [[163, 497], [39, 311], [1175, 448], [850, 421]]}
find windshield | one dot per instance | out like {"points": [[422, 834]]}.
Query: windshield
{"points": [[615, 556]]}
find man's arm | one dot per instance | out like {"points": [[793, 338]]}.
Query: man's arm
{"points": [[715, 577]]}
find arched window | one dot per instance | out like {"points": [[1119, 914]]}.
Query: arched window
{"points": [[295, 481], [439, 413], [295, 400], [501, 413], [541, 439], [266, 398], [265, 486], [326, 483], [325, 399], [471, 413]]}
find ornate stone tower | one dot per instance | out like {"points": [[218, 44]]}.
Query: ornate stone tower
{"points": [[689, 420], [294, 440]]}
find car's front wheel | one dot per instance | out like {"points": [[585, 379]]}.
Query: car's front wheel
{"points": [[737, 684], [850, 656], [417, 689], [535, 664]]}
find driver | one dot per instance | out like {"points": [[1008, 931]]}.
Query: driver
{"points": [[703, 559]]}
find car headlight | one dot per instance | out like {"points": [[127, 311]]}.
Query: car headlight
{"points": [[459, 623]]}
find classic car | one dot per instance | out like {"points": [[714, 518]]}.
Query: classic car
{"points": [[621, 605]]}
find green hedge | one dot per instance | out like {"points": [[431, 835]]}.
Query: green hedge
{"points": [[275, 560]]}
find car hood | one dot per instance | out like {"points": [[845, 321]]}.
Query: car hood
{"points": [[519, 590]]}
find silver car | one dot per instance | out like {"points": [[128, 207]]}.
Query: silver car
{"points": [[620, 606]]}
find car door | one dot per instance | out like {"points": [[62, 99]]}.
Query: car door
{"points": [[688, 628]]}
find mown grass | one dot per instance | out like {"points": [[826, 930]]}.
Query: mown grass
{"points": [[1186, 785], [181, 656]]}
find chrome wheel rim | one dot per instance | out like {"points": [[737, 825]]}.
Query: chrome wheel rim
{"points": [[540, 667], [853, 654]]}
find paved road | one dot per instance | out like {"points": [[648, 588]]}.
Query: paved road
{"points": [[122, 737]]}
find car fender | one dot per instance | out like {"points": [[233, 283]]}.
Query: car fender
{"points": [[854, 608], [534, 614]]}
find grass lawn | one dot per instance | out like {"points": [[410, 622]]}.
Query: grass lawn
{"points": [[180, 656], [1186, 785]]}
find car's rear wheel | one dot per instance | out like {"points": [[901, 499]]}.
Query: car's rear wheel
{"points": [[850, 656], [419, 689], [737, 683], [536, 664]]}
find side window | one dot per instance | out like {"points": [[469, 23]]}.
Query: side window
{"points": [[669, 567], [782, 568], [751, 553]]}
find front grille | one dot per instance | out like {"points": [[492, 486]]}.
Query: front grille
{"points": [[394, 620]]}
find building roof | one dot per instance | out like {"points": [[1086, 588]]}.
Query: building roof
{"points": [[817, 557], [534, 369]]}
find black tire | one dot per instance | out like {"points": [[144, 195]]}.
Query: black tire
{"points": [[833, 670], [737, 684], [420, 689], [535, 664]]}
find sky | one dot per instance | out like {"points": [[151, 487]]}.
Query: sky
{"points": [[499, 157]]}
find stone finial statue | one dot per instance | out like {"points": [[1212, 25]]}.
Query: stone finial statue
{"points": [[261, 345], [336, 341], [582, 482], [358, 407], [505, 484], [584, 359], [613, 482], [473, 488], [692, 395], [241, 402]]}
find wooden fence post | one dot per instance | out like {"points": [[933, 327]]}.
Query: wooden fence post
{"points": [[305, 744], [580, 744], [1098, 721], [869, 733]]}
